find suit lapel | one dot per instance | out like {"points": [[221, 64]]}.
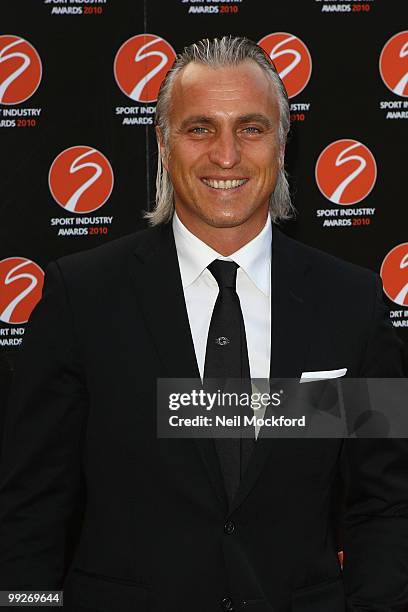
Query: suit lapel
{"points": [[156, 272], [291, 304], [156, 275]]}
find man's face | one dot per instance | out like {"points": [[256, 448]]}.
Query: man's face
{"points": [[224, 154]]}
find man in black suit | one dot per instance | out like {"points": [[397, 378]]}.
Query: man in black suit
{"points": [[160, 527]]}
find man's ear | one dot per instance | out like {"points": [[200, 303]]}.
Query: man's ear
{"points": [[163, 150]]}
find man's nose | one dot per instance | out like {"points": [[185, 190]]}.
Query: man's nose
{"points": [[225, 151]]}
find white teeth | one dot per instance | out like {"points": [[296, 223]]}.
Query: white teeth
{"points": [[224, 184]]}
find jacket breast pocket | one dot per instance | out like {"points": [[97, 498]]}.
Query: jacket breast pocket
{"points": [[323, 597], [104, 594]]}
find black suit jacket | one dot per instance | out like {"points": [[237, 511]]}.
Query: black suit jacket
{"points": [[86, 484]]}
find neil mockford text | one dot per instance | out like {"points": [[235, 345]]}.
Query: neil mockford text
{"points": [[214, 401]]}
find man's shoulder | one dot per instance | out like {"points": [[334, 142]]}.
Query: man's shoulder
{"points": [[110, 255], [322, 264]]}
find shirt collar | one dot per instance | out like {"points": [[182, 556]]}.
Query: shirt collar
{"points": [[195, 255]]}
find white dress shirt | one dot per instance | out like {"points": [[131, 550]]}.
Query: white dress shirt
{"points": [[253, 288]]}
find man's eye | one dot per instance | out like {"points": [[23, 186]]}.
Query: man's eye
{"points": [[252, 130], [199, 130]]}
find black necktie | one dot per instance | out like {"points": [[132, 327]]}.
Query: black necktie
{"points": [[227, 357]]}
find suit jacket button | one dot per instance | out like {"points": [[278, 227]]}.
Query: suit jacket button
{"points": [[229, 527], [227, 604]]}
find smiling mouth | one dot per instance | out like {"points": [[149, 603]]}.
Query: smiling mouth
{"points": [[229, 184]]}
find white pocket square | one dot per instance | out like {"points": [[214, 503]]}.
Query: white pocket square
{"points": [[322, 375]]}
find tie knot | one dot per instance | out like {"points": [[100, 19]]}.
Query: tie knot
{"points": [[224, 272]]}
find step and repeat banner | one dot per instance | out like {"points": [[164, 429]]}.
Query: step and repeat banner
{"points": [[78, 87]]}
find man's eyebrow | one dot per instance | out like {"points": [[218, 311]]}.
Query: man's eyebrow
{"points": [[256, 118], [249, 118], [195, 119]]}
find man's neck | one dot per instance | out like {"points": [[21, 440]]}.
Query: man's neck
{"points": [[225, 240]]}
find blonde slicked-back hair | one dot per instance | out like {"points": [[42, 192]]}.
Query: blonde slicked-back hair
{"points": [[217, 53]]}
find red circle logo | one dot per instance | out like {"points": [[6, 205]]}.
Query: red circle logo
{"points": [[20, 69], [80, 179], [394, 64], [346, 172], [394, 274], [291, 58], [21, 283], [141, 64]]}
